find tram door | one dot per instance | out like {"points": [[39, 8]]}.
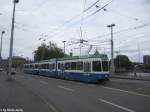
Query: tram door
{"points": [[62, 70], [87, 67]]}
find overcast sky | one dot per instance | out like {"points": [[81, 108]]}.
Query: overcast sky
{"points": [[49, 19]]}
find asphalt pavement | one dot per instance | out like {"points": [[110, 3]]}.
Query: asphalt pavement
{"points": [[42, 94]]}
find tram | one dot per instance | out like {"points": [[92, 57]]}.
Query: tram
{"points": [[86, 69]]}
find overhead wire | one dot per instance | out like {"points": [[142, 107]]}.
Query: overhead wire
{"points": [[84, 17], [124, 15], [123, 30], [76, 16]]}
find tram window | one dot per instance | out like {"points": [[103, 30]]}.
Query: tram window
{"points": [[45, 66], [52, 66], [62, 67], [73, 65], [42, 66], [33, 66], [39, 66], [87, 67], [79, 65], [67, 66], [105, 65], [36, 66], [30, 66], [58, 65], [96, 66]]}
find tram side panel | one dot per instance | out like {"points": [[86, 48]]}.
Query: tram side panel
{"points": [[87, 70]]}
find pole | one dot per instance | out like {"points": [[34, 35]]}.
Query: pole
{"points": [[11, 40], [80, 48], [1, 44], [112, 49], [64, 45], [139, 54]]}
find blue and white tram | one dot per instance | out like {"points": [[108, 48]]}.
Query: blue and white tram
{"points": [[86, 69], [48, 68], [78, 69], [31, 68]]}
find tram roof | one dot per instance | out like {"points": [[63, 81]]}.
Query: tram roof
{"points": [[101, 56]]}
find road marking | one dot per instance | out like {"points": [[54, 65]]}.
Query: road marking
{"points": [[91, 85], [130, 92], [65, 88], [118, 106], [21, 76], [30, 78], [43, 82], [46, 102]]}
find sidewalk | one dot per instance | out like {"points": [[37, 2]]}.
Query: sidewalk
{"points": [[130, 76]]}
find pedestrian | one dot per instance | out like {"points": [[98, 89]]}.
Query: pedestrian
{"points": [[135, 70]]}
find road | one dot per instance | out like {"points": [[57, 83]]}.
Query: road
{"points": [[41, 94]]}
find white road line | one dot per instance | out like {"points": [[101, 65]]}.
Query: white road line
{"points": [[43, 82], [46, 102], [21, 76], [65, 88], [130, 92], [30, 78], [91, 85], [118, 106]]}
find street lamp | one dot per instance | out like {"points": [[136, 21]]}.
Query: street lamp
{"points": [[112, 67], [1, 44], [11, 39]]}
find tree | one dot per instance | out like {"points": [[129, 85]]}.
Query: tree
{"points": [[122, 62], [45, 52]]}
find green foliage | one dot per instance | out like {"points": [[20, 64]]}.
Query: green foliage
{"points": [[122, 62], [45, 52]]}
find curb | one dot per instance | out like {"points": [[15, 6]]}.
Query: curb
{"points": [[130, 78]]}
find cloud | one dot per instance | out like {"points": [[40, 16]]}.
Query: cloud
{"points": [[36, 17]]}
